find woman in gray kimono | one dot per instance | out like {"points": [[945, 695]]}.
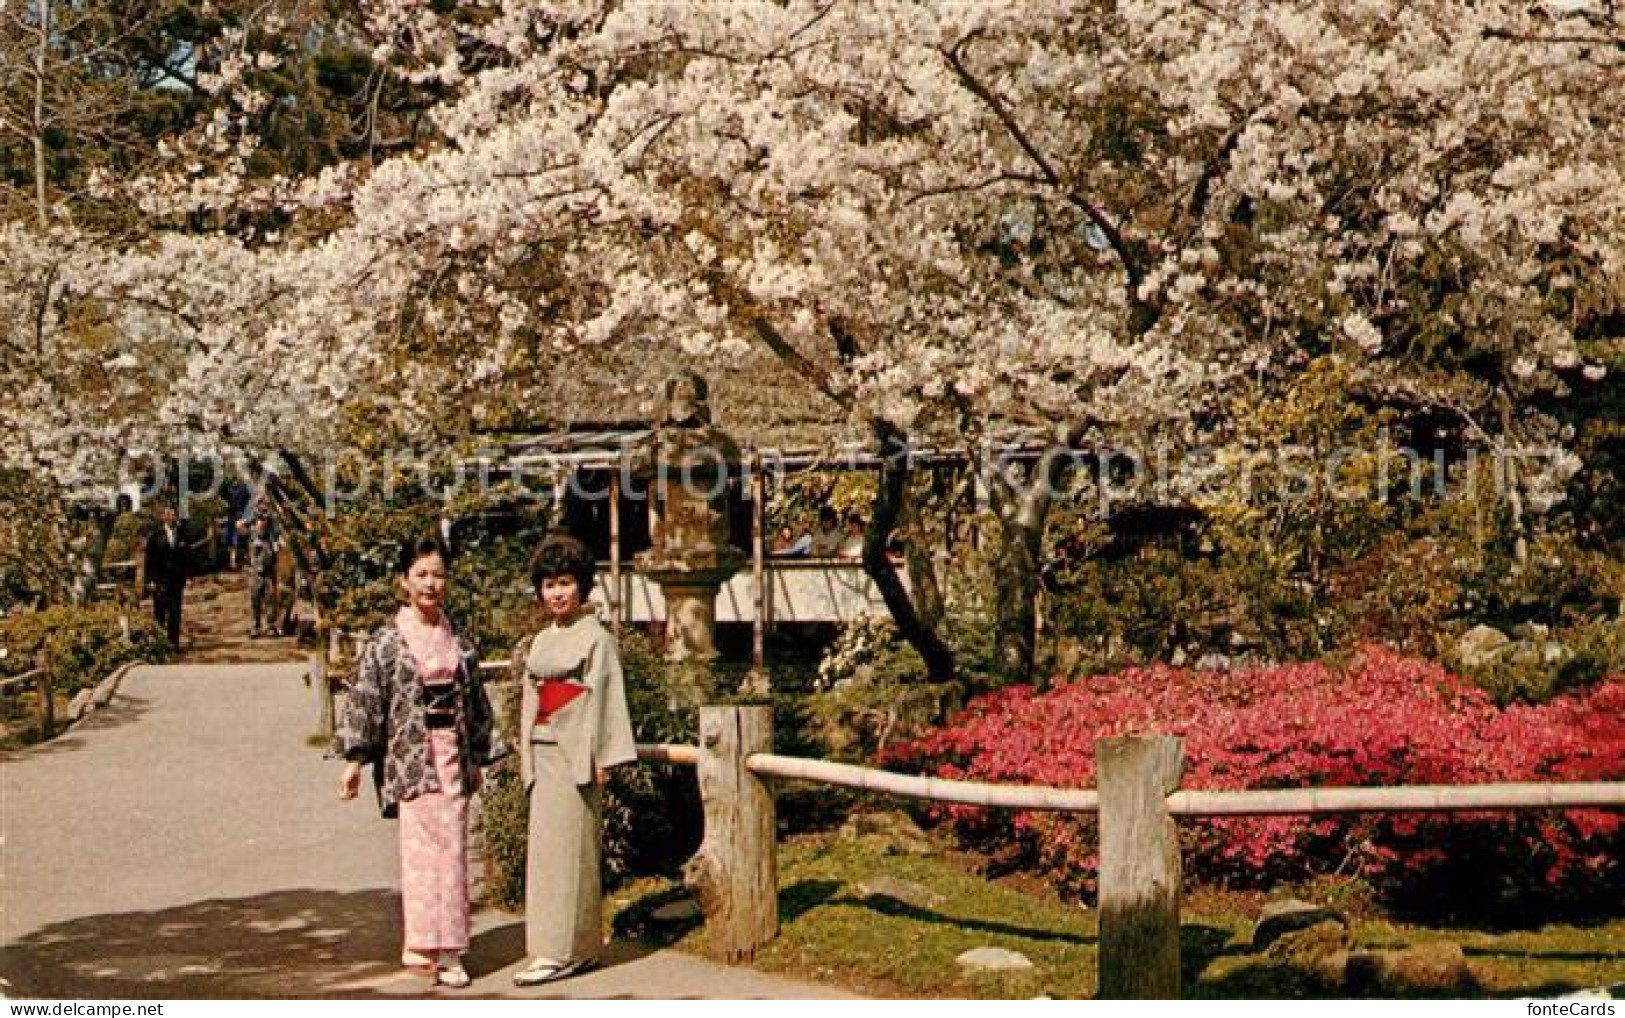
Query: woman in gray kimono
{"points": [[574, 726], [418, 713]]}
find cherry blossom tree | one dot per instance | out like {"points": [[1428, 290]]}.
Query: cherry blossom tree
{"points": [[1095, 222]]}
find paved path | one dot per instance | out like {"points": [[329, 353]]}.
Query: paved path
{"points": [[186, 842]]}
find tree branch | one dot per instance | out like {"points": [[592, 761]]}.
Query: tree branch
{"points": [[1142, 315], [1502, 34]]}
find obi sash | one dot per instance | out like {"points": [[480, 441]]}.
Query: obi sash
{"points": [[553, 695]]}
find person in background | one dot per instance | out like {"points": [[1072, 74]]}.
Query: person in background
{"points": [[573, 726], [167, 563], [261, 506], [826, 540], [260, 562], [235, 494], [419, 714], [852, 541], [787, 545]]}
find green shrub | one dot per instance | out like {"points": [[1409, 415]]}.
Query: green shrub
{"points": [[127, 542], [652, 818], [81, 645], [503, 836], [1543, 666]]}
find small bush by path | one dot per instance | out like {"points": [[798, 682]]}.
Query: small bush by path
{"points": [[80, 645]]}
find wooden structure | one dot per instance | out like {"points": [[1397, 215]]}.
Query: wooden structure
{"points": [[769, 591], [1139, 868], [1137, 800], [44, 693], [734, 875], [590, 475]]}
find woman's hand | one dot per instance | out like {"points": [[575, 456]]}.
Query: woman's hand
{"points": [[601, 776], [350, 780]]}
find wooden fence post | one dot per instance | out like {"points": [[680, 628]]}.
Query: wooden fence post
{"points": [[47, 699], [734, 876], [316, 662], [1139, 867]]}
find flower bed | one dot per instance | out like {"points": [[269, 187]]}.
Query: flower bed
{"points": [[1382, 720]]}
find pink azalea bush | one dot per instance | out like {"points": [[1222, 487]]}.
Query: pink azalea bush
{"points": [[1384, 719]]}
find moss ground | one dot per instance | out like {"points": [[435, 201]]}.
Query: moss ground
{"points": [[832, 932]]}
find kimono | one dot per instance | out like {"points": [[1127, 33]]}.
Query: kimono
{"points": [[559, 753], [419, 714]]}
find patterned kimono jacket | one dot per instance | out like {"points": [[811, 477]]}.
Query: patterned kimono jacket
{"points": [[382, 721], [593, 730]]}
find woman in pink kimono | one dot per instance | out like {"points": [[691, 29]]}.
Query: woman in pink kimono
{"points": [[418, 713], [574, 726]]}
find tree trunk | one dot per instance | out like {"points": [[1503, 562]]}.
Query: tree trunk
{"points": [[890, 496], [38, 126], [1022, 509], [920, 559], [1015, 590], [302, 479]]}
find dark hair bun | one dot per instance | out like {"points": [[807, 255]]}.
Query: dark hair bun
{"points": [[560, 555], [415, 549]]}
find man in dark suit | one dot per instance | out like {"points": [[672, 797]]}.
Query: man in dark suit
{"points": [[167, 562]]}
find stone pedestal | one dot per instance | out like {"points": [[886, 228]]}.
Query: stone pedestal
{"points": [[686, 466], [691, 604]]}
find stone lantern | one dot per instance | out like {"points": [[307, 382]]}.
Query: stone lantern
{"points": [[685, 466]]}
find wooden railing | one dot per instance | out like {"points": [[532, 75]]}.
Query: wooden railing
{"points": [[734, 875], [45, 708]]}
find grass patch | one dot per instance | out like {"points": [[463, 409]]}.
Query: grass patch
{"points": [[831, 932]]}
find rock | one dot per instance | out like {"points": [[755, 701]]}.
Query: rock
{"points": [[1521, 654], [994, 959], [906, 891], [81, 704], [1243, 641], [1531, 631], [1212, 663], [1554, 653], [676, 911], [1330, 972], [1288, 915], [1440, 968], [1480, 645], [895, 833], [1426, 968], [1309, 945]]}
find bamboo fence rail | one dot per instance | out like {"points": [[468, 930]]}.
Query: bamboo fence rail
{"points": [[1246, 802]]}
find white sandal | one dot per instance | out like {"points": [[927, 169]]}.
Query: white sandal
{"points": [[453, 975], [546, 970]]}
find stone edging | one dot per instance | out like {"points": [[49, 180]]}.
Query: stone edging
{"points": [[83, 706]]}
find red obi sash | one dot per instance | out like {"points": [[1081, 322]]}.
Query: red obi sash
{"points": [[553, 696]]}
